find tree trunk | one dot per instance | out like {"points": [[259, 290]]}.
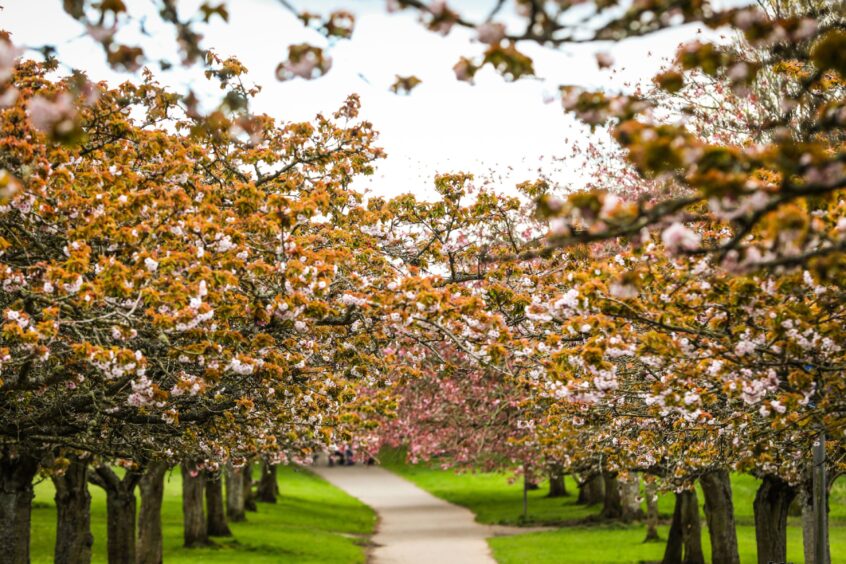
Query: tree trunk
{"points": [[16, 474], [149, 550], [120, 512], [796, 506], [525, 515], [674, 551], [215, 516], [193, 482], [651, 494], [267, 488], [591, 491], [612, 507], [630, 498], [235, 498], [684, 542], [719, 513], [73, 515], [249, 496], [557, 486], [772, 502]]}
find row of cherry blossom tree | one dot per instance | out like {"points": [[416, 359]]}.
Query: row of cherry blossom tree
{"points": [[173, 291], [205, 287], [680, 319]]}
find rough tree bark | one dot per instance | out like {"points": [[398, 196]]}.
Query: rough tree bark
{"points": [[772, 502], [149, 549], [591, 491], [235, 498], [630, 497], [16, 474], [719, 513], [557, 486], [684, 541], [267, 488], [120, 512], [249, 495], [651, 494], [215, 515], [73, 514], [612, 506], [195, 530]]}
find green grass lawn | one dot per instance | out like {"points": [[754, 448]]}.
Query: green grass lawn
{"points": [[312, 522], [494, 500]]}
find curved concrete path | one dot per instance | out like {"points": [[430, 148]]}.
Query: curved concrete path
{"points": [[414, 526]]}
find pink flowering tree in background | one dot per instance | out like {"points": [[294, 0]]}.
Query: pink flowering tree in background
{"points": [[457, 414]]}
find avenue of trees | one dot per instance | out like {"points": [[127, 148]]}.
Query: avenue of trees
{"points": [[206, 288]]}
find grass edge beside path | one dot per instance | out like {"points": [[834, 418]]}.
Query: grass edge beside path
{"points": [[312, 522], [494, 500]]}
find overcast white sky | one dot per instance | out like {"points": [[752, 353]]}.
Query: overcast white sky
{"points": [[506, 131]]}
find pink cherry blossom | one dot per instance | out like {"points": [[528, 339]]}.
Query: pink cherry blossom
{"points": [[52, 115], [491, 33], [8, 55], [604, 60], [678, 238], [463, 70]]}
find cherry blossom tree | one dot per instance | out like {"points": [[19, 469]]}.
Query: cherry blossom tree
{"points": [[171, 293]]}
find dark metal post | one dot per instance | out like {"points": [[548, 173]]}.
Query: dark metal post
{"points": [[820, 506]]}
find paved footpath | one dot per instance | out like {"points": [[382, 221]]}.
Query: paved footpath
{"points": [[414, 526]]}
